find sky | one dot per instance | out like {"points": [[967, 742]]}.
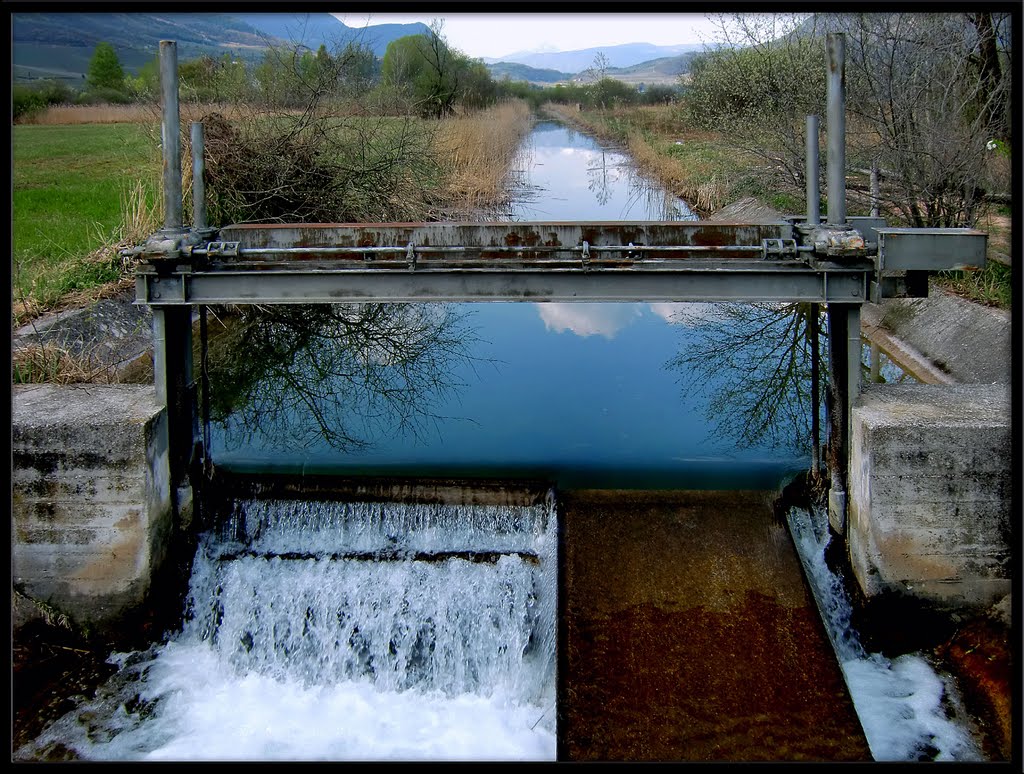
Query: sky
{"points": [[499, 34]]}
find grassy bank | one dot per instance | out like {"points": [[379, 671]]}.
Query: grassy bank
{"points": [[75, 190], [705, 171], [85, 187]]}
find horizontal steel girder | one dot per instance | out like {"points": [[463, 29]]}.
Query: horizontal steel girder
{"points": [[735, 281], [415, 262]]}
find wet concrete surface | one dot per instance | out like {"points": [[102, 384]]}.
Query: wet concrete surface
{"points": [[689, 635]]}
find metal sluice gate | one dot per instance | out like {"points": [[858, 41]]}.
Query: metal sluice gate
{"points": [[841, 263], [641, 261]]}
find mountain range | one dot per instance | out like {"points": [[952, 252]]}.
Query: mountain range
{"points": [[60, 45], [624, 55]]}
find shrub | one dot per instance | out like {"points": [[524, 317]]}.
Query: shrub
{"points": [[103, 96], [26, 100]]}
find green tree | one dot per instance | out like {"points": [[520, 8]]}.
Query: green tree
{"points": [[435, 75], [145, 85], [105, 71]]}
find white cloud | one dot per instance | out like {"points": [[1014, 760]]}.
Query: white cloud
{"points": [[588, 319]]}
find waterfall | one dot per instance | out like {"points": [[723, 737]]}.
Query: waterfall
{"points": [[345, 631], [907, 710]]}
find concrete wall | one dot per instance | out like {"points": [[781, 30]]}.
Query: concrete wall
{"points": [[91, 512], [931, 487], [971, 343]]}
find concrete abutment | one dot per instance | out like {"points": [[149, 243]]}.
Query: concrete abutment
{"points": [[92, 516], [931, 487]]}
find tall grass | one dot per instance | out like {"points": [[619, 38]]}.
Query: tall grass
{"points": [[478, 153]]}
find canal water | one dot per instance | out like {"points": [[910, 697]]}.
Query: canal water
{"points": [[648, 604]]}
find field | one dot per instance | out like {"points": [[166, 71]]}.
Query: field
{"points": [[71, 188]]}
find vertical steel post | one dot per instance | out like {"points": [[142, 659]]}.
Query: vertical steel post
{"points": [[172, 325], [835, 169], [845, 360], [170, 135], [160, 381], [198, 181], [815, 390], [811, 173], [876, 190]]}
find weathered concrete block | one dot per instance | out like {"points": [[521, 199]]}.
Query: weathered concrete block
{"points": [[930, 500], [91, 510]]}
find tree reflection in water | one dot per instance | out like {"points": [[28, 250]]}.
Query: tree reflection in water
{"points": [[340, 374], [755, 361]]}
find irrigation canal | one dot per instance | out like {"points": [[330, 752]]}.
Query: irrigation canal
{"points": [[646, 602]]}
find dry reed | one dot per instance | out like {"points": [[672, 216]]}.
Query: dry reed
{"points": [[54, 364], [139, 113], [479, 151], [703, 194]]}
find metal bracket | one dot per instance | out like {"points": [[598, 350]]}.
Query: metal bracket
{"points": [[774, 249], [222, 249], [586, 254], [410, 256]]}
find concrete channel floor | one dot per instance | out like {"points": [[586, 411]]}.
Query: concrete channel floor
{"points": [[690, 635]]}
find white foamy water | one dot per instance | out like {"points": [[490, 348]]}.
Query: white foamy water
{"points": [[293, 650], [904, 706]]}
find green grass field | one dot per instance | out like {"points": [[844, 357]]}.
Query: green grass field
{"points": [[68, 186]]}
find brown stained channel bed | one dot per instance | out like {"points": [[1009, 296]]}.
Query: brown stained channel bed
{"points": [[690, 635]]}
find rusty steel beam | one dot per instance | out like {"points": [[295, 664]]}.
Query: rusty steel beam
{"points": [[524, 236], [412, 262]]}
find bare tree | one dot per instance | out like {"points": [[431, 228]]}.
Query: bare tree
{"points": [[925, 95], [344, 375], [755, 361], [925, 92], [598, 72]]}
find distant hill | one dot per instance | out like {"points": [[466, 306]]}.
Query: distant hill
{"points": [[625, 55], [521, 72], [664, 70], [314, 29], [60, 45]]}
